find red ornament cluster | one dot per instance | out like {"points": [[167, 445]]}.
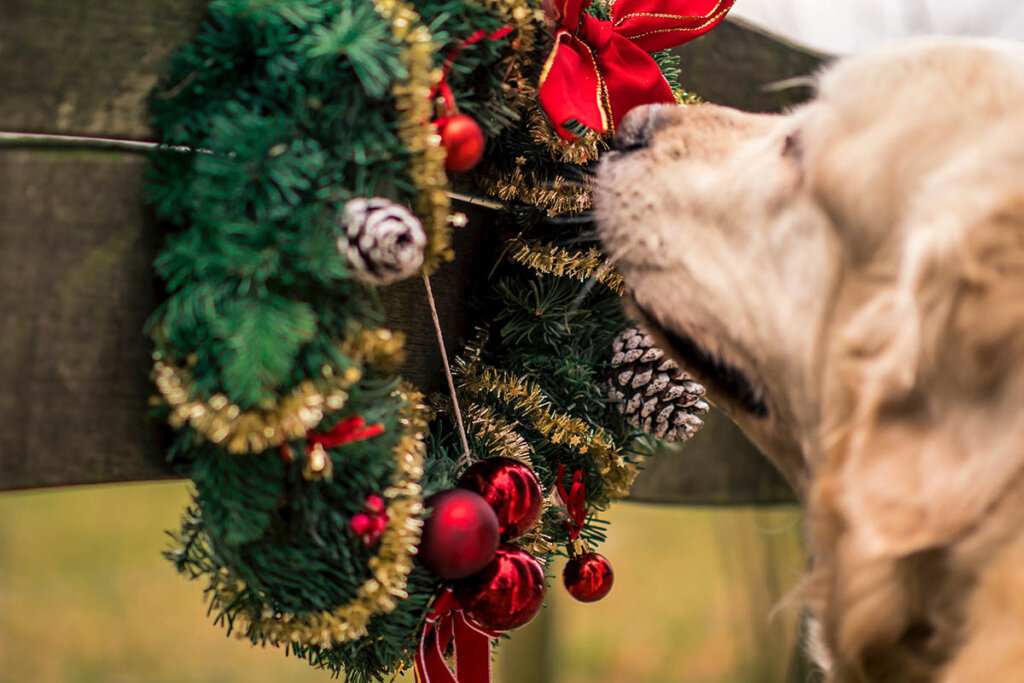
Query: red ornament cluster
{"points": [[371, 523], [498, 499]]}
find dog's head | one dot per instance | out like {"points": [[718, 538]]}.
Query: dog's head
{"points": [[848, 278]]}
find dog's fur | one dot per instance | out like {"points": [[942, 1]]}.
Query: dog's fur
{"points": [[849, 276]]}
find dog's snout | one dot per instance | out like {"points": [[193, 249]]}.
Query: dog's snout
{"points": [[637, 128]]}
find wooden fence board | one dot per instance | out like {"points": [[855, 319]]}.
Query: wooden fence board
{"points": [[76, 247], [76, 287], [86, 68]]}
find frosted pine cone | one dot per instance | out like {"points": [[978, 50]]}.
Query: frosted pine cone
{"points": [[382, 240], [656, 395]]}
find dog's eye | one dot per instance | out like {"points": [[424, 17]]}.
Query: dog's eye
{"points": [[792, 147]]}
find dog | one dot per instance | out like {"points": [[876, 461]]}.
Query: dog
{"points": [[848, 280]]}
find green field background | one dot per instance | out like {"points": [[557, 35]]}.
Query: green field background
{"points": [[86, 596]]}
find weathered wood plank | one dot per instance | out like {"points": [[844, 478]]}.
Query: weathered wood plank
{"points": [[76, 246], [86, 68], [76, 286], [718, 466]]}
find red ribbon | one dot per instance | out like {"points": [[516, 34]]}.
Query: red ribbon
{"points": [[447, 624], [599, 70], [348, 430], [575, 501]]}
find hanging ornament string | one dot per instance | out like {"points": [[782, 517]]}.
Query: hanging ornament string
{"points": [[598, 70], [461, 136], [464, 460], [575, 501], [442, 88]]}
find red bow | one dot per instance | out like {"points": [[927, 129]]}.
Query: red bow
{"points": [[575, 501], [346, 431], [446, 625], [599, 70]]}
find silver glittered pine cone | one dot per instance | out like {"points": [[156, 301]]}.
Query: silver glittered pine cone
{"points": [[382, 240], [656, 395]]}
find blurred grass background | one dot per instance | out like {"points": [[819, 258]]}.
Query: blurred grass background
{"points": [[86, 596]]}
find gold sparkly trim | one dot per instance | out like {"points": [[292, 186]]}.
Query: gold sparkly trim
{"points": [[687, 98], [562, 262], [476, 379], [415, 130], [389, 568], [537, 543], [555, 196], [586, 148], [220, 421], [496, 435]]}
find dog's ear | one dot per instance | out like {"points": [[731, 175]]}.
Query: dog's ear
{"points": [[934, 416]]}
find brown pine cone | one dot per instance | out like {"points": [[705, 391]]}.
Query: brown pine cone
{"points": [[656, 395]]}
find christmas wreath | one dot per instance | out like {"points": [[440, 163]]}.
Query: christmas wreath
{"points": [[306, 147]]}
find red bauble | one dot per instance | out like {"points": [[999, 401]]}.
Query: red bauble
{"points": [[463, 141], [370, 524], [461, 535], [512, 490], [588, 577], [507, 593]]}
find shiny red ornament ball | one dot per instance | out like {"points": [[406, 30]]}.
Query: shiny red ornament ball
{"points": [[507, 593], [460, 536], [511, 488], [463, 141], [588, 577]]}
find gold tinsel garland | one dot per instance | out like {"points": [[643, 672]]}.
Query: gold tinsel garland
{"points": [[253, 431], [556, 195], [477, 379], [496, 435], [584, 149], [416, 130], [562, 262], [389, 568]]}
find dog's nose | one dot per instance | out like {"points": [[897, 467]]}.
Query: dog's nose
{"points": [[637, 128]]}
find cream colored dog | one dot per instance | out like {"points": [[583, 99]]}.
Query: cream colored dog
{"points": [[848, 278]]}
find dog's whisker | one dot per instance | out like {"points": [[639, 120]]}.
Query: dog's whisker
{"points": [[790, 83], [571, 219], [587, 238], [562, 183], [581, 171], [599, 274]]}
